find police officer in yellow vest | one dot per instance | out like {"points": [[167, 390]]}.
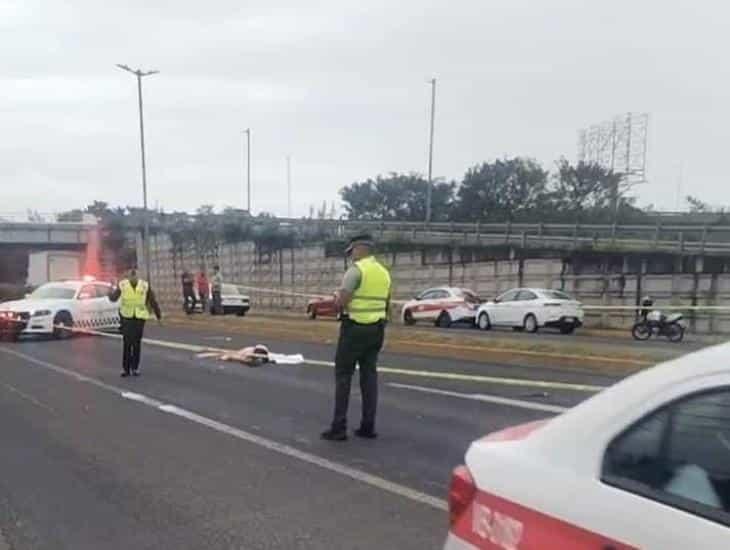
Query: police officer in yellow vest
{"points": [[364, 299], [137, 299]]}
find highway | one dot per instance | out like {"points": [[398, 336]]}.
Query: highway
{"points": [[198, 453]]}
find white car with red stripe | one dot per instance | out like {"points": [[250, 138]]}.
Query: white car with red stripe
{"points": [[643, 464], [442, 306]]}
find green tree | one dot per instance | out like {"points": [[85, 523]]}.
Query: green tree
{"points": [[582, 191], [505, 190], [397, 197], [696, 206]]}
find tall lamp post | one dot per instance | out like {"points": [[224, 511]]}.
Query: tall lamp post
{"points": [[430, 151], [247, 131], [146, 235]]}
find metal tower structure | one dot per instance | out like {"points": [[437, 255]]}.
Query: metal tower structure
{"points": [[619, 144]]}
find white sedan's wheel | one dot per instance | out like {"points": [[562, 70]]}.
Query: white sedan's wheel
{"points": [[530, 323], [483, 321]]}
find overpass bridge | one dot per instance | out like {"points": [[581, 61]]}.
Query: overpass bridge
{"points": [[46, 232]]}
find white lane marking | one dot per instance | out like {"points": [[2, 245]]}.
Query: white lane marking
{"points": [[586, 388], [281, 448], [486, 398], [479, 378], [141, 399], [27, 397]]}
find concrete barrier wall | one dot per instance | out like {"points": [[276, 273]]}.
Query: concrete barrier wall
{"points": [[308, 271]]}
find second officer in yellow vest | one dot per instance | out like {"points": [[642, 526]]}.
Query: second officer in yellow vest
{"points": [[137, 299], [364, 299]]}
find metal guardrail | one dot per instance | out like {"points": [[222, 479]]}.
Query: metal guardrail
{"points": [[677, 238]]}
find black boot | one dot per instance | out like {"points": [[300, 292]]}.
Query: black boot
{"points": [[366, 433], [334, 435]]}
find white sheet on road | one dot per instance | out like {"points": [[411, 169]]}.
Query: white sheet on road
{"points": [[283, 359]]}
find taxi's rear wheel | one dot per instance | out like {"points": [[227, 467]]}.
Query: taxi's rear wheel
{"points": [[62, 324], [443, 320], [483, 321], [408, 318]]}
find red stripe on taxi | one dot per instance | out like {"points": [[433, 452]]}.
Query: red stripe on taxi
{"points": [[515, 433], [493, 523]]}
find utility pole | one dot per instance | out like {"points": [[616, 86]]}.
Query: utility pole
{"points": [[146, 234], [680, 181], [430, 152], [288, 186], [247, 131]]}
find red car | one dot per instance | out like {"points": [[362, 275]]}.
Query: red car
{"points": [[324, 307]]}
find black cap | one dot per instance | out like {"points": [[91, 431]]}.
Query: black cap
{"points": [[361, 239]]}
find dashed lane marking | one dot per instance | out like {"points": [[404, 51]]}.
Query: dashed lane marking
{"points": [[519, 403], [275, 446]]}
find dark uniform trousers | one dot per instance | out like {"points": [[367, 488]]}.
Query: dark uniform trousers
{"points": [[358, 345], [132, 332]]}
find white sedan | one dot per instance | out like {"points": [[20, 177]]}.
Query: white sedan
{"points": [[234, 301], [55, 307], [442, 306], [531, 309], [643, 464]]}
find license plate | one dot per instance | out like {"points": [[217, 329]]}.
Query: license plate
{"points": [[570, 319]]}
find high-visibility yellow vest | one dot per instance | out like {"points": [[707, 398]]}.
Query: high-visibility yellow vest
{"points": [[134, 300], [369, 302]]}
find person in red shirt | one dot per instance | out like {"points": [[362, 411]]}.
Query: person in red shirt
{"points": [[203, 289]]}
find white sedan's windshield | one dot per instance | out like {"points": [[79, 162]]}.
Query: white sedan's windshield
{"points": [[53, 292]]}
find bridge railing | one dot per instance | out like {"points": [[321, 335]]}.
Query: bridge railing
{"points": [[675, 237], [45, 218]]}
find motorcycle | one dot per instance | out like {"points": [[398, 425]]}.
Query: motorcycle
{"points": [[656, 323]]}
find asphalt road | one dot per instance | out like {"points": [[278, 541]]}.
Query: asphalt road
{"points": [[204, 454]]}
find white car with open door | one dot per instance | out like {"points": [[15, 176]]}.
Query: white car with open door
{"points": [[442, 306], [53, 308], [642, 464], [531, 309]]}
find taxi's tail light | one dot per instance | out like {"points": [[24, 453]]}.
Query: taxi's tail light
{"points": [[461, 493]]}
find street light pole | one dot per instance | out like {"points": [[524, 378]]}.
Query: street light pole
{"points": [[288, 186], [430, 152], [146, 232], [247, 131]]}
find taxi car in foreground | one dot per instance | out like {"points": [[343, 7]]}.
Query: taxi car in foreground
{"points": [[643, 464], [53, 308]]}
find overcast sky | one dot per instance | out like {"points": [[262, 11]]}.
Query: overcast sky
{"points": [[341, 86]]}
